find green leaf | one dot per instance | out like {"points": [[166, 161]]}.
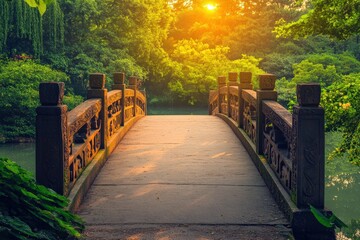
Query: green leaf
{"points": [[42, 7], [326, 222], [31, 3]]}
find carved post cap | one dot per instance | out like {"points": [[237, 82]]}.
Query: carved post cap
{"points": [[51, 93], [132, 80], [308, 94], [245, 77], [97, 81], [119, 78], [267, 81], [233, 76], [221, 80]]}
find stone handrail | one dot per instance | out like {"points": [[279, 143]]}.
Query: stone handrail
{"points": [[67, 142], [292, 145]]}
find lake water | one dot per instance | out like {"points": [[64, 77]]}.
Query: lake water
{"points": [[342, 191]]}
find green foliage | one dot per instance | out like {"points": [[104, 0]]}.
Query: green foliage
{"points": [[341, 102], [306, 71], [39, 4], [196, 66], [286, 92], [329, 222], [336, 18], [31, 211], [23, 30], [21, 80]]}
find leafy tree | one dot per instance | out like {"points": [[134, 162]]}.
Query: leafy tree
{"points": [[335, 18], [341, 102], [306, 71], [197, 67], [18, 103], [23, 30]]}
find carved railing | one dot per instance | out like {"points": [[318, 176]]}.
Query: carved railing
{"points": [[67, 142], [293, 144]]}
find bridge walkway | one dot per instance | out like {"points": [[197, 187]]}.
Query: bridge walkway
{"points": [[181, 177]]}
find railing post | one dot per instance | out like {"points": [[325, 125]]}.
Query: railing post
{"points": [[133, 85], [265, 92], [232, 82], [308, 147], [51, 138], [245, 83], [97, 90], [119, 84], [221, 83]]}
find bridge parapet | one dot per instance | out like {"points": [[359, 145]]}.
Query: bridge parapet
{"points": [[67, 142], [288, 149]]}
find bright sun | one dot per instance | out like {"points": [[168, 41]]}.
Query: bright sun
{"points": [[210, 6]]}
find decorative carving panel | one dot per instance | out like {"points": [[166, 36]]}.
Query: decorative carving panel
{"points": [[277, 152]]}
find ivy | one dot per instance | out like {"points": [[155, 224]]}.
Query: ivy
{"points": [[31, 211]]}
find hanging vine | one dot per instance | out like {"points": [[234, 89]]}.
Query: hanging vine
{"points": [[24, 30]]}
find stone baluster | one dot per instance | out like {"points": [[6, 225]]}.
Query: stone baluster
{"points": [[51, 138], [265, 92], [119, 84], [308, 147], [97, 90], [221, 83], [245, 83], [133, 85], [233, 76]]}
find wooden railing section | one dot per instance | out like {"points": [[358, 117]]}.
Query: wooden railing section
{"points": [[292, 144], [66, 142]]}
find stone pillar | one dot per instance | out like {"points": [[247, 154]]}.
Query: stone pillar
{"points": [[133, 85], [245, 83], [51, 138], [308, 147], [119, 84], [233, 76], [97, 90], [265, 92], [221, 83]]}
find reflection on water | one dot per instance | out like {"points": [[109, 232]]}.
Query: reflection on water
{"points": [[22, 153]]}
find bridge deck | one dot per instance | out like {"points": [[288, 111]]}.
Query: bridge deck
{"points": [[175, 177]]}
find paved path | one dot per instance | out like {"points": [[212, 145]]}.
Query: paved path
{"points": [[181, 177]]}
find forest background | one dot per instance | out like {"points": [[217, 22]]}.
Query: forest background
{"points": [[178, 48]]}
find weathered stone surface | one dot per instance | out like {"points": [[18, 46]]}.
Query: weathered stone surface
{"points": [[233, 76], [308, 94], [51, 93], [187, 232], [119, 78], [97, 81], [132, 81], [267, 81], [221, 81], [165, 171], [245, 77]]}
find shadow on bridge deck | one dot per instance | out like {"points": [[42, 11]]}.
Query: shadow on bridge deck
{"points": [[174, 177]]}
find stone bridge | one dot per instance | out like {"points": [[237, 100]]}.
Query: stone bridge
{"points": [[249, 172]]}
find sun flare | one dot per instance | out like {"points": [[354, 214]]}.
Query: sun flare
{"points": [[210, 6]]}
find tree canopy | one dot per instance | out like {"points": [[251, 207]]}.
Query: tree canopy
{"points": [[335, 18]]}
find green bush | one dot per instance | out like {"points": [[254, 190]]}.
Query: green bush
{"points": [[20, 96], [341, 102], [31, 211]]}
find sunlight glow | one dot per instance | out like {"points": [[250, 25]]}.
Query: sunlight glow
{"points": [[210, 6]]}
